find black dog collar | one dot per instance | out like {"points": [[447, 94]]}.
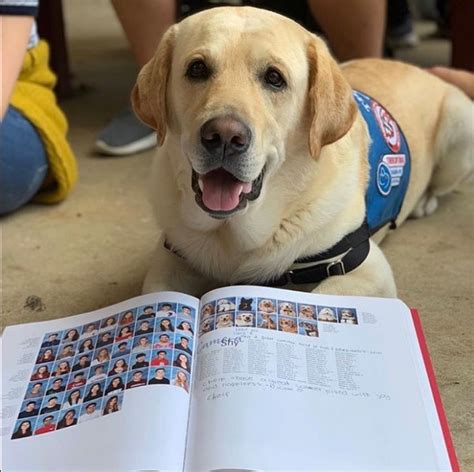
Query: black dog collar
{"points": [[340, 259]]}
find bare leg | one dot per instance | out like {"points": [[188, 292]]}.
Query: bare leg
{"points": [[354, 28], [144, 22]]}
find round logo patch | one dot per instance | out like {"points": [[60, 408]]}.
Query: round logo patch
{"points": [[388, 126], [384, 179]]}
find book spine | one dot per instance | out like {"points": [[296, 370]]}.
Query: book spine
{"points": [[434, 389]]}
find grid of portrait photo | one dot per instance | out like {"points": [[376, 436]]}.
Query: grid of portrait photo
{"points": [[83, 373], [265, 313]]}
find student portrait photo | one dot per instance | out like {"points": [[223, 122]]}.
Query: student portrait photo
{"points": [[146, 313], [101, 355], [68, 419], [166, 309], [159, 376], [51, 339], [108, 323], [35, 389], [184, 344], [61, 368], [98, 373], [57, 385], [185, 326], [90, 411], [116, 384], [73, 398], [142, 343], [180, 379], [46, 424], [23, 429], [119, 367], [94, 391], [137, 378], [121, 348], [41, 372], [162, 341], [46, 355], [82, 361], [77, 379], [165, 324], [140, 361], [70, 335], [29, 408], [126, 318], [306, 312], [51, 404], [162, 358], [89, 330], [124, 333], [144, 327], [105, 339], [112, 404], [186, 311], [246, 304], [87, 346], [67, 350], [182, 361]]}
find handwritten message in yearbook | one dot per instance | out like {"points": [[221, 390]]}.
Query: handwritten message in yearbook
{"points": [[246, 378]]}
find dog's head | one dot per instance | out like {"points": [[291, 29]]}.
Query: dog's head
{"points": [[241, 91], [266, 306], [224, 320], [244, 319], [306, 311], [287, 309], [327, 314], [207, 310], [289, 326]]}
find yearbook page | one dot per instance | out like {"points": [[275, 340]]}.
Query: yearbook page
{"points": [[293, 381], [106, 390]]}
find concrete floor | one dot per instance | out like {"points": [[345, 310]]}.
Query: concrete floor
{"points": [[92, 250]]}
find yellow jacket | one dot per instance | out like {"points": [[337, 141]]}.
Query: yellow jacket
{"points": [[33, 96]]}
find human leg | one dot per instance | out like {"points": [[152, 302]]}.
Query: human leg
{"points": [[354, 28], [23, 161]]}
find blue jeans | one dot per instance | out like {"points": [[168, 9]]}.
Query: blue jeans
{"points": [[23, 161]]}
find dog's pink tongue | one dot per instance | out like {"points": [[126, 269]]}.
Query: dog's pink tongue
{"points": [[221, 190]]}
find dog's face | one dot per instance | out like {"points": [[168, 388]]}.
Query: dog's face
{"points": [[206, 326], [244, 319], [207, 310], [327, 314], [306, 311], [287, 309], [239, 91], [266, 306], [286, 325], [224, 321]]}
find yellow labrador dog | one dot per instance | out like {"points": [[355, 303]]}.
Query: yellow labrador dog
{"points": [[263, 157]]}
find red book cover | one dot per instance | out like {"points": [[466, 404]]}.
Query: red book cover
{"points": [[434, 389]]}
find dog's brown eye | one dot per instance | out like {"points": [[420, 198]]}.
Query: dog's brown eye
{"points": [[198, 70], [274, 78]]}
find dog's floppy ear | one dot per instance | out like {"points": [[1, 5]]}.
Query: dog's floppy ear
{"points": [[332, 107], [149, 93]]}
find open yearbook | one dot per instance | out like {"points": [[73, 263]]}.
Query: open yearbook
{"points": [[247, 378]]}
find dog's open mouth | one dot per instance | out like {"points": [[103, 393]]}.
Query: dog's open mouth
{"points": [[221, 194]]}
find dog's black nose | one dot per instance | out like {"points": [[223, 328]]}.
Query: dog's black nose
{"points": [[225, 136]]}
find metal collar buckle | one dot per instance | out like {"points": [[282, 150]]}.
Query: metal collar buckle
{"points": [[338, 267]]}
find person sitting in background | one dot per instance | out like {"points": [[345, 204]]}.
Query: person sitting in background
{"points": [[36, 161]]}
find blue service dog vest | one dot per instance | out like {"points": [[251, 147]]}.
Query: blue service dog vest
{"points": [[389, 160]]}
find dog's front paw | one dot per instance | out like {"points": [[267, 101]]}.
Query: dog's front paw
{"points": [[425, 207]]}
